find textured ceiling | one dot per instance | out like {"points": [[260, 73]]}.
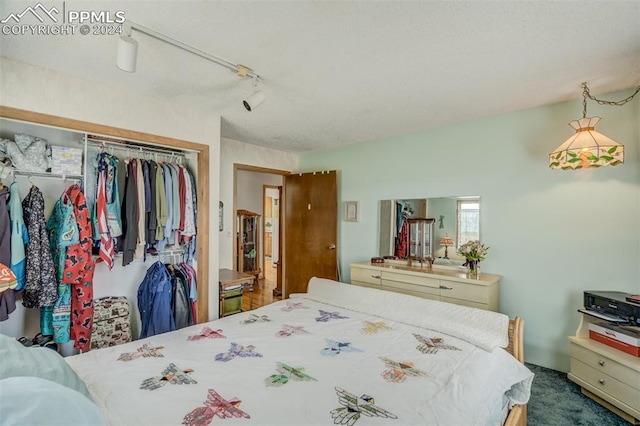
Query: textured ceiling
{"points": [[339, 72]]}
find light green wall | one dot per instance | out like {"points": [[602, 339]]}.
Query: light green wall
{"points": [[552, 233]]}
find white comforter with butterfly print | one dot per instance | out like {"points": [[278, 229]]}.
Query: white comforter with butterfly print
{"points": [[335, 355]]}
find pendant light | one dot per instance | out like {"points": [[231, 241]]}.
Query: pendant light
{"points": [[588, 147]]}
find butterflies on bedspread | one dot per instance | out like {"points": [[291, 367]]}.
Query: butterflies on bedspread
{"points": [[430, 345], [325, 316], [171, 374], [353, 407], [215, 405], [144, 351], [398, 371], [290, 306], [237, 350], [289, 330], [334, 348], [374, 327], [253, 318], [287, 373], [208, 333]]}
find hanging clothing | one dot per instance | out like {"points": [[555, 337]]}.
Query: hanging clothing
{"points": [[63, 232], [152, 217], [177, 208], [161, 203], [8, 296], [19, 236], [140, 239], [180, 305], [107, 244], [189, 229], [154, 301], [41, 288], [78, 271], [168, 188], [130, 216], [190, 273]]}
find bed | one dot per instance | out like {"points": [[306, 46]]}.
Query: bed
{"points": [[338, 354]]}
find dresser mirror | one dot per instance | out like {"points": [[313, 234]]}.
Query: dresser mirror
{"points": [[457, 220]]}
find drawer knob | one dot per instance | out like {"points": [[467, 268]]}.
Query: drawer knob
{"points": [[443, 287], [601, 363], [601, 381], [376, 276]]}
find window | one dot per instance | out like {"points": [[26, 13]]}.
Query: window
{"points": [[468, 221]]}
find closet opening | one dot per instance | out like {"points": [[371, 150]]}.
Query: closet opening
{"points": [[96, 138]]}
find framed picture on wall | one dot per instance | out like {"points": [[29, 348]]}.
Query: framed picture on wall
{"points": [[352, 211]]}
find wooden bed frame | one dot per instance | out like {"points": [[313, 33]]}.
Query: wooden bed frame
{"points": [[518, 414]]}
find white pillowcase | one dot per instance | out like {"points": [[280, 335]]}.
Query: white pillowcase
{"points": [[18, 360], [34, 401]]}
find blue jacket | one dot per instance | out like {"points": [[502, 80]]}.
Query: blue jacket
{"points": [[154, 301]]}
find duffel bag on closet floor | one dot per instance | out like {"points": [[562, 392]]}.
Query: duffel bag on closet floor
{"points": [[111, 322]]}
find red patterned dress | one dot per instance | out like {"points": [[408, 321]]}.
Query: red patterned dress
{"points": [[78, 271]]}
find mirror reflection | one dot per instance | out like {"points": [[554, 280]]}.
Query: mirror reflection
{"points": [[457, 220]]}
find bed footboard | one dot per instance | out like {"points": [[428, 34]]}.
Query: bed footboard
{"points": [[518, 414]]}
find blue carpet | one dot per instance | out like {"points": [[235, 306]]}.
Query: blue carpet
{"points": [[555, 400]]}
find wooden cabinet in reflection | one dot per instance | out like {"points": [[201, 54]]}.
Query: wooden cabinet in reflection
{"points": [[248, 234]]}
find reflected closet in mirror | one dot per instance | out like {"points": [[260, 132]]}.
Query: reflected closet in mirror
{"points": [[457, 220]]}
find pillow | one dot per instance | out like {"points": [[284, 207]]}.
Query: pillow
{"points": [[35, 401], [18, 360]]}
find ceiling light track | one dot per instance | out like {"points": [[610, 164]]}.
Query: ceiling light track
{"points": [[128, 51]]}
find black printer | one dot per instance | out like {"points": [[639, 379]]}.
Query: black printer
{"points": [[613, 304]]}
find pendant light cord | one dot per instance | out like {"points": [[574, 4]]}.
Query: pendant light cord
{"points": [[586, 94]]}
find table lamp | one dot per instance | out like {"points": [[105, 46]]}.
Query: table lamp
{"points": [[446, 242]]}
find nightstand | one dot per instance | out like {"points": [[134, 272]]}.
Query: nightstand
{"points": [[607, 375]]}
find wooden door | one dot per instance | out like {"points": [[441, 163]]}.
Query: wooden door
{"points": [[278, 290], [310, 229]]}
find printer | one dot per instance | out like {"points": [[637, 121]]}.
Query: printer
{"points": [[613, 306]]}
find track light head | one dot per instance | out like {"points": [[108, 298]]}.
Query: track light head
{"points": [[127, 53], [254, 100]]}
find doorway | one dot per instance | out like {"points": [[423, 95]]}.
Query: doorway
{"points": [[271, 236], [258, 189]]}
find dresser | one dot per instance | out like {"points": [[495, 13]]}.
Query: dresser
{"points": [[446, 285], [606, 375]]}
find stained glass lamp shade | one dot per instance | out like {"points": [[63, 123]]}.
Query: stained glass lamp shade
{"points": [[586, 148]]}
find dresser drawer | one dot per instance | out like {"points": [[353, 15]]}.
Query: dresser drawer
{"points": [[464, 291], [365, 276], [412, 289], [607, 366], [605, 383], [411, 279]]}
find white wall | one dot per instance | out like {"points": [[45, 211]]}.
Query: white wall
{"points": [[553, 233], [235, 152], [41, 90]]}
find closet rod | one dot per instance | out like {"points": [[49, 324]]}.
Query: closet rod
{"points": [[47, 175], [129, 147]]}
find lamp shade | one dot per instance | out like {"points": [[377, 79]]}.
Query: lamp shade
{"points": [[446, 242], [586, 148], [127, 54]]}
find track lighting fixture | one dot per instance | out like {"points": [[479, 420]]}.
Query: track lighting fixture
{"points": [[128, 53], [254, 100]]}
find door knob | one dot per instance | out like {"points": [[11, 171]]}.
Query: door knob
{"points": [[332, 247]]}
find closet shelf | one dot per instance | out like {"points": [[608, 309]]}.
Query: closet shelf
{"points": [[49, 175]]}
